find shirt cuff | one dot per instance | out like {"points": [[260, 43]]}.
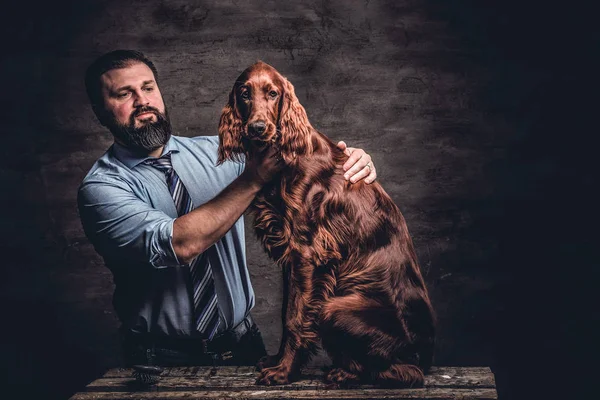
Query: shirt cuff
{"points": [[164, 253]]}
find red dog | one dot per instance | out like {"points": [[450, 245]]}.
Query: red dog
{"points": [[351, 273]]}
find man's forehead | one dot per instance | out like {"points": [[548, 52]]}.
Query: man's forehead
{"points": [[132, 74]]}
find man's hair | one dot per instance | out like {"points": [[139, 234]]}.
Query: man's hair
{"points": [[113, 60]]}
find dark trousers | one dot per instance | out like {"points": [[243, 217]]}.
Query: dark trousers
{"points": [[239, 346]]}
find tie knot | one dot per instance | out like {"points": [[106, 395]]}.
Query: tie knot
{"points": [[163, 163]]}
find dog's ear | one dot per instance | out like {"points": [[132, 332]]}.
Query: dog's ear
{"points": [[230, 132], [293, 125]]}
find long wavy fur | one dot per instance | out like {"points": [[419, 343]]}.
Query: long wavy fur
{"points": [[294, 126], [232, 143], [351, 276]]}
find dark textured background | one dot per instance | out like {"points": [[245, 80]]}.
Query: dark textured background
{"points": [[479, 116]]}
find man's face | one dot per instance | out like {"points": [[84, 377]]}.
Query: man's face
{"points": [[127, 89], [134, 110]]}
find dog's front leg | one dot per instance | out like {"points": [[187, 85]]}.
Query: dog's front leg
{"points": [[272, 360], [299, 331]]}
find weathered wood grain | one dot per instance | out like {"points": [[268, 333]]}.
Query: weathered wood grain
{"points": [[238, 383], [426, 393], [194, 378]]}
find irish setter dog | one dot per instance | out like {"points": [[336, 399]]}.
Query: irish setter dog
{"points": [[351, 276]]}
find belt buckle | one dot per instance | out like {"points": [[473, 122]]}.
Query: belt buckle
{"points": [[243, 327]]}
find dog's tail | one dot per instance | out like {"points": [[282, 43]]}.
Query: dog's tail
{"points": [[401, 376]]}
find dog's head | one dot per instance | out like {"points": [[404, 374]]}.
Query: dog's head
{"points": [[263, 110]]}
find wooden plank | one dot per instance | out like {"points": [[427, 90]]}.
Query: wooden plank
{"points": [[357, 394], [238, 382], [194, 371], [247, 382], [193, 378]]}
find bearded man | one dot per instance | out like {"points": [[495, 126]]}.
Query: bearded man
{"points": [[168, 223]]}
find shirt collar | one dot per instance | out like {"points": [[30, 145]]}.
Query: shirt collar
{"points": [[131, 159]]}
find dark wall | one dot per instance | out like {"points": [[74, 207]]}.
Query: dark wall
{"points": [[479, 118]]}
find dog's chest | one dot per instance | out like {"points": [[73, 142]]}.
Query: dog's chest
{"points": [[272, 222]]}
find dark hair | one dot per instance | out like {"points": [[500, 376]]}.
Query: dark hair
{"points": [[113, 60]]}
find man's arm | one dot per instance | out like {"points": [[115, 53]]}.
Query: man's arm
{"points": [[122, 226], [199, 229]]}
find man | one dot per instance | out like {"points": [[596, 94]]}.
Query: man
{"points": [[168, 223]]}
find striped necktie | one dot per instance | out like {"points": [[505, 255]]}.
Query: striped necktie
{"points": [[206, 313]]}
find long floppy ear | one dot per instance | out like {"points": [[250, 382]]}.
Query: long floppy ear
{"points": [[230, 132], [293, 125]]}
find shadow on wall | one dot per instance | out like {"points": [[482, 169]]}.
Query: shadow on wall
{"points": [[50, 349]]}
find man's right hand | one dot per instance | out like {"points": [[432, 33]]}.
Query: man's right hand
{"points": [[262, 166], [199, 229]]}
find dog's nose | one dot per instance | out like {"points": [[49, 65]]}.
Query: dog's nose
{"points": [[258, 127]]}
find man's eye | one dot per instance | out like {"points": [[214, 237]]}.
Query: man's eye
{"points": [[273, 93], [148, 89], [122, 95]]}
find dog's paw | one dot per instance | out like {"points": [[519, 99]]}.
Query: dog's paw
{"points": [[274, 376], [267, 362], [340, 376]]}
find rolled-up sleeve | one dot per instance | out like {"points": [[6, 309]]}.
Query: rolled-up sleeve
{"points": [[121, 225]]}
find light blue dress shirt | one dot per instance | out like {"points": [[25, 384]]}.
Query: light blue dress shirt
{"points": [[127, 213]]}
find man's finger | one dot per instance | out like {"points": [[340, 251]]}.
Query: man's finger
{"points": [[372, 174], [360, 165], [356, 157], [347, 150], [368, 173], [360, 175]]}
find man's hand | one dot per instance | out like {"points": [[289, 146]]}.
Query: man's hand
{"points": [[263, 165], [199, 229], [359, 165]]}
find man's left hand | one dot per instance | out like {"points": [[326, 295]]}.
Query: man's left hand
{"points": [[359, 165]]}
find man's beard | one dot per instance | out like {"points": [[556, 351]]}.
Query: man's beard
{"points": [[148, 137]]}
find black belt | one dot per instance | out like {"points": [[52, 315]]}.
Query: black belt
{"points": [[195, 345], [232, 335], [221, 348]]}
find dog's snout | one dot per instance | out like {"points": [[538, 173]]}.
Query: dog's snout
{"points": [[258, 127]]}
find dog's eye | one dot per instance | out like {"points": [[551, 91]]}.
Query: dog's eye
{"points": [[245, 95], [273, 93]]}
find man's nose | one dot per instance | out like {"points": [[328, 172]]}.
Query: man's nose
{"points": [[140, 99], [258, 127]]}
